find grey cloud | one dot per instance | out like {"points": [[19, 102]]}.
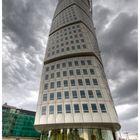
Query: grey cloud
{"points": [[101, 14], [129, 113]]}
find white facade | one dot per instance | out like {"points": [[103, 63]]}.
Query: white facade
{"points": [[74, 92]]}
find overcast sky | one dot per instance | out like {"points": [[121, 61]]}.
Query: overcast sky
{"points": [[26, 25]]}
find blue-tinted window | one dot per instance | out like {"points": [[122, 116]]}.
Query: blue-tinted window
{"points": [[51, 96], [51, 109], [66, 93], [95, 82], [72, 82], [82, 93], [59, 109], [98, 93], [68, 108], [76, 108], [85, 108], [74, 94], [65, 83], [103, 108], [90, 94], [59, 95], [94, 108]]}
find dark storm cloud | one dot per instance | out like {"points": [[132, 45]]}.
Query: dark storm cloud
{"points": [[116, 29], [26, 25], [22, 23], [25, 29]]}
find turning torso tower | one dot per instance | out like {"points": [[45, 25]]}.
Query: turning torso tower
{"points": [[74, 101]]}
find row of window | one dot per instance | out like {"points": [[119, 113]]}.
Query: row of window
{"points": [[72, 83], [65, 34], [70, 64], [71, 73], [74, 95], [71, 38], [67, 49], [76, 108]]}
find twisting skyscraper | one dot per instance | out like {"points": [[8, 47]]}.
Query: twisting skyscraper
{"points": [[74, 102]]}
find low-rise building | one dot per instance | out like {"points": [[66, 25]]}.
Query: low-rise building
{"points": [[18, 124]]}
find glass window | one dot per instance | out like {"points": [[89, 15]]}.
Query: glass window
{"points": [[58, 83], [78, 46], [63, 65], [77, 41], [94, 108], [52, 84], [80, 82], [46, 77], [71, 72], [85, 71], [66, 93], [46, 86], [59, 109], [82, 93], [51, 109], [51, 96], [58, 66], [82, 40], [89, 62], [43, 110], [65, 83], [98, 93], [72, 82], [68, 108], [59, 95], [52, 75], [70, 64], [84, 46], [52, 67], [103, 108], [90, 94], [47, 69], [76, 63], [64, 73], [76, 108], [87, 81], [62, 50], [85, 108], [58, 74], [78, 72], [92, 71], [72, 42], [74, 94], [44, 97], [82, 62], [95, 82]]}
